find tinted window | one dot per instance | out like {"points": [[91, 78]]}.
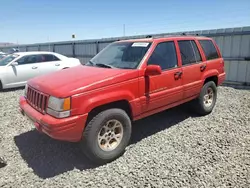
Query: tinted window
{"points": [[196, 51], [50, 57], [27, 59], [164, 55], [189, 52], [209, 49], [2, 56], [46, 58], [6, 60], [40, 58]]}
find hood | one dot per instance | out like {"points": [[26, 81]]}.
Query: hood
{"points": [[79, 79]]}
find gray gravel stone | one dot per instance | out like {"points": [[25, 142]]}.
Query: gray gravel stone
{"points": [[174, 148]]}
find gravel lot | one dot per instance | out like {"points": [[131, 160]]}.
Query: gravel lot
{"points": [[170, 149]]}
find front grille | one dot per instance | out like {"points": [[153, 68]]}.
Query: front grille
{"points": [[37, 99]]}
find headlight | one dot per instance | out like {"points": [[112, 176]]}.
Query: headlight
{"points": [[26, 90], [59, 108]]}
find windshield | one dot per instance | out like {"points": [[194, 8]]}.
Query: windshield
{"points": [[2, 56], [123, 55], [6, 60]]}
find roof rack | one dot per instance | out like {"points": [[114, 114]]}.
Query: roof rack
{"points": [[174, 35], [164, 36]]}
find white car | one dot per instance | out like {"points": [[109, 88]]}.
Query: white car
{"points": [[17, 68], [2, 55]]}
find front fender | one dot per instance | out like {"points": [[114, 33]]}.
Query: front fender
{"points": [[88, 102], [2, 81]]}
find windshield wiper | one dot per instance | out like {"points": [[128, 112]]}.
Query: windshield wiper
{"points": [[89, 63], [105, 65]]}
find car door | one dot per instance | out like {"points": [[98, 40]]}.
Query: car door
{"points": [[49, 63], [166, 88], [192, 67], [27, 68], [212, 55]]}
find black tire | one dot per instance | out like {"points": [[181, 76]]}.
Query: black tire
{"points": [[89, 143], [1, 86], [199, 104]]}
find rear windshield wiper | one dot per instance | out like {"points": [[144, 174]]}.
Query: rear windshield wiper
{"points": [[105, 65]]}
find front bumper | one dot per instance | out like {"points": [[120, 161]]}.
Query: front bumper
{"points": [[67, 129]]}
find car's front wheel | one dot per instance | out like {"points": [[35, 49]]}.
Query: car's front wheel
{"points": [[106, 136]]}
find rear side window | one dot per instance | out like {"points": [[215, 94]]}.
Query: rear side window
{"points": [[49, 57], [164, 55], [189, 52], [46, 57], [209, 49]]}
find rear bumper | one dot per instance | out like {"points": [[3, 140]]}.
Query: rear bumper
{"points": [[67, 129], [221, 78]]}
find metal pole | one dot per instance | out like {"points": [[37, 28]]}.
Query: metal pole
{"points": [[73, 50], [48, 42]]}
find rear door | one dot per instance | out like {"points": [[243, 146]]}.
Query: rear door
{"points": [[49, 63], [192, 67], [213, 57], [166, 88]]}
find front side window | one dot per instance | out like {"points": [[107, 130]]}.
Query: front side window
{"points": [[189, 52], [28, 59], [164, 55], [123, 55], [209, 49], [6, 60]]}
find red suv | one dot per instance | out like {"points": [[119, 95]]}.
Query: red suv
{"points": [[95, 103]]}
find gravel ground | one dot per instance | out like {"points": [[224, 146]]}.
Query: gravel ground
{"points": [[170, 149]]}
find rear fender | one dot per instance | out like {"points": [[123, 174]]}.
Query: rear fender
{"points": [[210, 73]]}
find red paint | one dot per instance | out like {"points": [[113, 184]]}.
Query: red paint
{"points": [[153, 70], [68, 129], [148, 90]]}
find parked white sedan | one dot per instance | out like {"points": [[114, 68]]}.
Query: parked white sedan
{"points": [[17, 68], [2, 55]]}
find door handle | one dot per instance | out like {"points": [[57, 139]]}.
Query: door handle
{"points": [[177, 75], [57, 64], [203, 67], [34, 67]]}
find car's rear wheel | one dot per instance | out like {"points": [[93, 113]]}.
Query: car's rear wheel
{"points": [[1, 86], [205, 103], [106, 136]]}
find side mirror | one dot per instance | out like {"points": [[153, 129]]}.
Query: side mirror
{"points": [[14, 63], [152, 70]]}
